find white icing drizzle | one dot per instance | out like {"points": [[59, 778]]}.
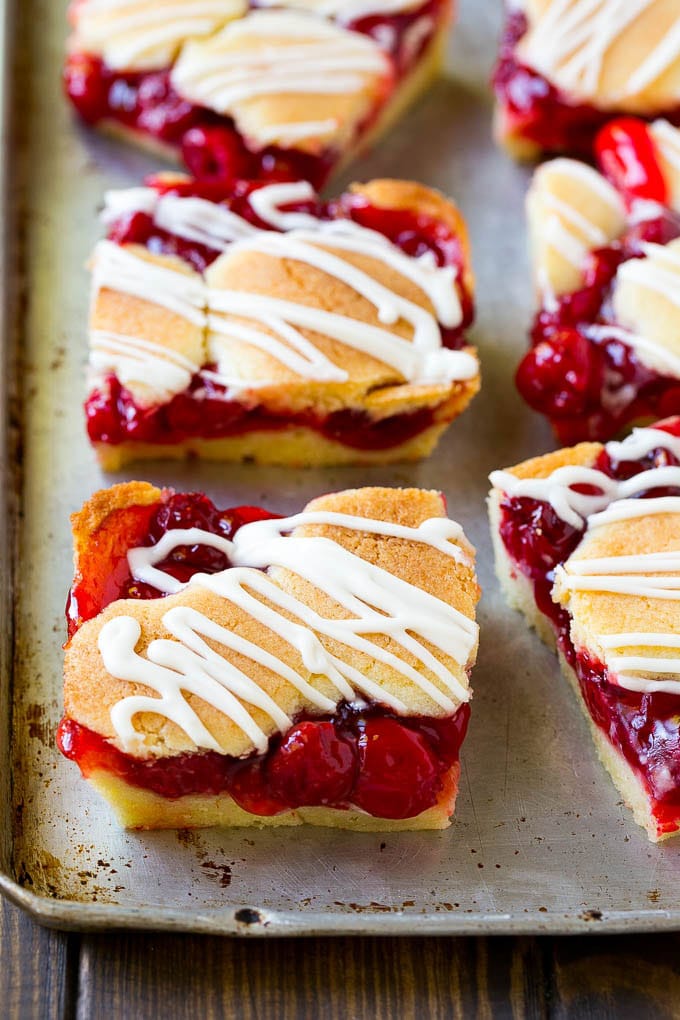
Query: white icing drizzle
{"points": [[626, 666], [658, 271], [645, 575], [667, 140], [567, 230], [648, 576], [117, 268], [658, 61], [273, 325], [131, 357], [291, 53], [211, 223], [422, 360], [575, 508], [378, 603], [348, 10], [147, 34], [570, 42], [267, 202], [653, 354]]}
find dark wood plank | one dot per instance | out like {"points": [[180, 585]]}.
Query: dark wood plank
{"points": [[38, 969], [332, 979], [624, 978]]}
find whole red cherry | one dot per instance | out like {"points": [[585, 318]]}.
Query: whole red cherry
{"points": [[313, 765], [399, 776]]}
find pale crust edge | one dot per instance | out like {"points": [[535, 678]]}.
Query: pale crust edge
{"points": [[137, 808]]}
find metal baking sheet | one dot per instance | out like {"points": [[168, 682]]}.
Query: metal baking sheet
{"points": [[540, 841]]}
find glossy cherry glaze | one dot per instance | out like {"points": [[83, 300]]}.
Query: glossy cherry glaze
{"points": [[203, 409], [362, 756], [211, 145], [593, 389], [645, 728], [537, 111]]}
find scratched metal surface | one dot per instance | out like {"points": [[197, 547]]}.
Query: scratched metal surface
{"points": [[540, 841]]}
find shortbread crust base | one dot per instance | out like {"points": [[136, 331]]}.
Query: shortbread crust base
{"points": [[404, 96], [519, 593], [295, 447], [137, 808]]}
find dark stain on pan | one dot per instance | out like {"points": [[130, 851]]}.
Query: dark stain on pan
{"points": [[39, 725], [223, 871], [591, 915]]}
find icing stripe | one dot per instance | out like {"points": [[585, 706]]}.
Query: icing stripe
{"points": [[348, 10], [375, 601], [648, 352], [272, 324], [290, 53], [146, 34], [575, 508], [646, 576], [570, 42], [120, 269]]}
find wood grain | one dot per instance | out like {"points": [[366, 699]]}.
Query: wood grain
{"points": [[626, 978], [46, 975], [37, 968], [333, 979]]}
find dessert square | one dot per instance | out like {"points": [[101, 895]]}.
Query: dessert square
{"points": [[259, 323], [605, 343], [245, 90], [587, 544], [565, 67], [232, 667]]}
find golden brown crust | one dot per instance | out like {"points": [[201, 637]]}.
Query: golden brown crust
{"points": [[597, 613], [584, 454], [90, 691], [644, 303], [104, 502], [274, 118], [128, 315], [390, 193], [372, 387], [99, 508], [303, 284], [627, 46]]}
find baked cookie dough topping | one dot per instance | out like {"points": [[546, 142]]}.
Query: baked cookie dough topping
{"points": [[401, 627]]}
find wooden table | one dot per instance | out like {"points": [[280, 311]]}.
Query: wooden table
{"points": [[53, 975]]}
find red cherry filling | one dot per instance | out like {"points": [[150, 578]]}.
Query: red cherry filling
{"points": [[627, 157], [537, 111], [211, 145], [388, 767], [314, 764], [105, 577], [114, 417], [337, 761], [592, 389], [644, 727], [398, 775]]}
